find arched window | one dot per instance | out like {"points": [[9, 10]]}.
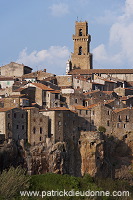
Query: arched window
{"points": [[80, 32], [80, 50], [34, 130]]}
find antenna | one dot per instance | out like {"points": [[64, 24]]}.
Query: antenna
{"points": [[77, 18]]}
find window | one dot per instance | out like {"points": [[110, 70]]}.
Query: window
{"points": [[92, 121], [127, 118], [80, 112], [80, 50], [8, 115], [118, 125], [93, 112], [22, 115], [86, 112], [15, 115], [80, 32], [124, 126], [40, 138], [17, 127], [40, 119], [59, 123], [68, 79], [119, 118], [34, 130], [34, 119], [8, 126], [76, 100], [40, 130], [56, 96], [108, 123], [77, 81], [108, 112], [22, 127]]}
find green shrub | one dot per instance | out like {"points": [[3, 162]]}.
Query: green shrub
{"points": [[12, 181], [102, 129]]}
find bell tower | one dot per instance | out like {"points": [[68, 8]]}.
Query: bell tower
{"points": [[81, 58]]}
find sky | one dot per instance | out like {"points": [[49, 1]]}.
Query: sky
{"points": [[38, 33]]}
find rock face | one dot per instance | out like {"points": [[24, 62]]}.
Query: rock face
{"points": [[99, 155], [92, 152]]}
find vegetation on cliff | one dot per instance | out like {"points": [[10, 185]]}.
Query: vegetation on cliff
{"points": [[15, 180]]}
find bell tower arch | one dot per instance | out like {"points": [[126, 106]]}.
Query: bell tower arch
{"points": [[81, 57]]}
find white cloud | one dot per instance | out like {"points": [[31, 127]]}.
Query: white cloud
{"points": [[59, 9], [119, 50], [54, 59], [108, 17]]}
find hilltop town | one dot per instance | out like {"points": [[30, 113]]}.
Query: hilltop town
{"points": [[77, 123]]}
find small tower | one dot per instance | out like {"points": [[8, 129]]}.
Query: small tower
{"points": [[81, 58], [68, 66]]}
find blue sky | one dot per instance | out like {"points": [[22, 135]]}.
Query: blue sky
{"points": [[38, 33]]}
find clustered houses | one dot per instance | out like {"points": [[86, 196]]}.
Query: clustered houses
{"points": [[42, 108]]}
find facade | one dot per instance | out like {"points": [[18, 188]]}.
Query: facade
{"points": [[37, 126], [13, 124], [81, 57], [63, 124], [121, 74], [6, 82], [14, 70], [15, 101]]}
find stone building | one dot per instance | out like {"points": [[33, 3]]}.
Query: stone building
{"points": [[63, 124], [37, 126], [15, 101], [84, 117], [122, 74], [123, 91], [6, 82], [65, 81], [41, 96], [72, 97], [14, 70], [122, 120], [81, 58], [96, 96], [13, 123]]}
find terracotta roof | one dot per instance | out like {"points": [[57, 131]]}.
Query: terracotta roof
{"points": [[97, 83], [108, 92], [6, 109], [49, 78], [42, 86], [109, 101], [120, 109], [55, 91], [3, 78], [124, 98], [81, 78], [19, 89], [79, 107], [102, 71], [94, 91], [28, 108], [92, 105]]}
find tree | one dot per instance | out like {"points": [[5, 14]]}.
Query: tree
{"points": [[13, 181], [102, 129]]}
